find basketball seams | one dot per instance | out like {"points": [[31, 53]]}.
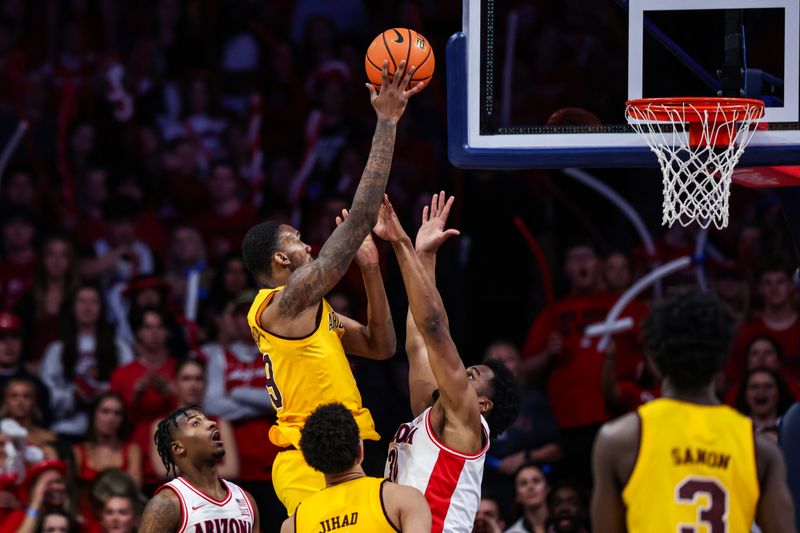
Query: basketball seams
{"points": [[430, 51], [408, 53], [388, 51]]}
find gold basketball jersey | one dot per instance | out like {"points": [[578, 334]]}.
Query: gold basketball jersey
{"points": [[696, 470], [354, 506], [304, 373]]}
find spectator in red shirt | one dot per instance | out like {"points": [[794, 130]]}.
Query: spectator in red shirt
{"points": [[39, 308], [625, 395], [617, 274], [778, 319], [146, 383], [556, 347], [19, 256], [230, 216], [11, 366], [46, 491]]}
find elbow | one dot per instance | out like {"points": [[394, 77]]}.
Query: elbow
{"points": [[387, 350], [434, 324]]}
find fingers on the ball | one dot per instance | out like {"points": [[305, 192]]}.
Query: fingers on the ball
{"points": [[399, 73], [415, 89], [372, 92], [385, 72], [408, 76]]}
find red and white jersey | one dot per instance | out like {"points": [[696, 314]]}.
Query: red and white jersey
{"points": [[450, 480], [202, 513]]}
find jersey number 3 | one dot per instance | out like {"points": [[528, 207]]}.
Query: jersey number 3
{"points": [[714, 514], [272, 387]]}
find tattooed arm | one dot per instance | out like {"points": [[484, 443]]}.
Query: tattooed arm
{"points": [[309, 283], [163, 513]]}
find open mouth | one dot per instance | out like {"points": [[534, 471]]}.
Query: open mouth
{"points": [[216, 436]]}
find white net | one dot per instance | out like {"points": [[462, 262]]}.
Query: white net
{"points": [[697, 147]]}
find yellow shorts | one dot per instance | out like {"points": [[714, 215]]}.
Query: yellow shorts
{"points": [[294, 480]]}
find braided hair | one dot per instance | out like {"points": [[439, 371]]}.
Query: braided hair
{"points": [[164, 436]]}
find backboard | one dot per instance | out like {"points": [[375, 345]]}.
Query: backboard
{"points": [[543, 84]]}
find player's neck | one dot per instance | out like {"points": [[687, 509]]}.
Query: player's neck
{"points": [[343, 477], [702, 395], [204, 478]]}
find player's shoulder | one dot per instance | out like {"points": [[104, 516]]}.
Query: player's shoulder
{"points": [[768, 456], [392, 492], [163, 511], [621, 431]]}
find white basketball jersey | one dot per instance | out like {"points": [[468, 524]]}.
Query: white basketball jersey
{"points": [[200, 513], [450, 480]]}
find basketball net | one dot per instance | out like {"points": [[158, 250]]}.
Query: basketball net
{"points": [[698, 142]]}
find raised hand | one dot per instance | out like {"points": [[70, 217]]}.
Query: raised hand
{"points": [[431, 234], [390, 99], [388, 227], [367, 254]]}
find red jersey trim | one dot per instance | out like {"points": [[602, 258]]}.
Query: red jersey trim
{"points": [[184, 507], [441, 486], [205, 496], [247, 499], [449, 450]]}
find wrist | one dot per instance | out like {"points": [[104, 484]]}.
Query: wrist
{"points": [[387, 121]]}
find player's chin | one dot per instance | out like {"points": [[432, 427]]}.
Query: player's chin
{"points": [[219, 452]]}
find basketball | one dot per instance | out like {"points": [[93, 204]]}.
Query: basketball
{"points": [[396, 45]]}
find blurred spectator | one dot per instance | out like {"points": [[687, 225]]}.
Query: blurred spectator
{"points": [[348, 16], [119, 257], [11, 366], [534, 436], [118, 501], [93, 189], [190, 390], [19, 404], [19, 256], [46, 491], [732, 288], [778, 318], [55, 521], [566, 508], [556, 347], [625, 395], [77, 367], [764, 351], [120, 514], [237, 392], [186, 254], [39, 308], [200, 123], [230, 217], [106, 446], [489, 518], [764, 397], [531, 487], [189, 192], [18, 189], [617, 274], [146, 383], [231, 278]]}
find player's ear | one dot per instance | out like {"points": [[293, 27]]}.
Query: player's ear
{"points": [[177, 448], [281, 259], [360, 451], [485, 404]]}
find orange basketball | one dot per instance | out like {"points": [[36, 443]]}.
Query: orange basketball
{"points": [[395, 45]]}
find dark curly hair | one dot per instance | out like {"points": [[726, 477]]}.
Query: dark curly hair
{"points": [[165, 435], [258, 247], [688, 335], [505, 396], [785, 397], [330, 439]]}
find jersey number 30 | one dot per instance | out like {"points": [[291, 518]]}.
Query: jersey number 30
{"points": [[272, 387], [714, 514]]}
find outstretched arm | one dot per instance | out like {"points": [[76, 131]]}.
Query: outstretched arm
{"points": [[431, 235], [458, 397], [377, 339], [309, 283]]}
